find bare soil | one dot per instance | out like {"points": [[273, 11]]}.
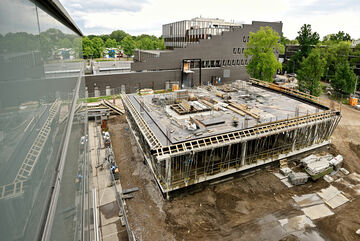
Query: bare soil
{"points": [[244, 208]]}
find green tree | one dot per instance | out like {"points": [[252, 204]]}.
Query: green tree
{"points": [[263, 64], [340, 36], [110, 43], [98, 47], [64, 43], [145, 43], [160, 44], [310, 73], [118, 35], [345, 78], [307, 40], [91, 36], [128, 45], [334, 53], [283, 41], [77, 43], [105, 37], [88, 51]]}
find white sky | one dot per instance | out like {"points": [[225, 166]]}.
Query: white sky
{"points": [[147, 16]]}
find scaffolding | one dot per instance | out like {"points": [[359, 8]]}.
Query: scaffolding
{"points": [[186, 163]]}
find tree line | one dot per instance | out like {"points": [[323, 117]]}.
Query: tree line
{"points": [[94, 45], [332, 60], [47, 42]]}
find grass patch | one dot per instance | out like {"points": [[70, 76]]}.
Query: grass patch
{"points": [[340, 99], [96, 99], [113, 59], [162, 91]]}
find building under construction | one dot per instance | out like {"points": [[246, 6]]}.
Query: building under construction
{"points": [[195, 135]]}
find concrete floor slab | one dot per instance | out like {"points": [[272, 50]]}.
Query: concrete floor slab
{"points": [[307, 200], [337, 201], [286, 182], [266, 106], [106, 195], [333, 197], [279, 175], [317, 211], [109, 213], [297, 223], [110, 229], [328, 193]]}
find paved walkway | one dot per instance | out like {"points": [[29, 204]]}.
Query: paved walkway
{"points": [[110, 227]]}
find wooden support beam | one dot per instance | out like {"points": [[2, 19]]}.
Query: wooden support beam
{"points": [[236, 110], [244, 108]]}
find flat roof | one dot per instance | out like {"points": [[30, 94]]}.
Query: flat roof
{"points": [[153, 51], [243, 106]]}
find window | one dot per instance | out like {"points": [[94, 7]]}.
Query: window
{"points": [[244, 39], [217, 63], [238, 62], [229, 62], [243, 50], [239, 50], [234, 50], [246, 61], [242, 62], [233, 62], [224, 62]]}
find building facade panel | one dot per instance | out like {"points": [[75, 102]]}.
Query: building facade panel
{"points": [[36, 106]]}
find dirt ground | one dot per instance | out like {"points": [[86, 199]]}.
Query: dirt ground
{"points": [[244, 208]]}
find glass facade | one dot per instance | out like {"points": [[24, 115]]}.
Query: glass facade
{"points": [[43, 126]]}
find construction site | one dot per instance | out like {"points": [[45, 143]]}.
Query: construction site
{"points": [[195, 135], [248, 160]]}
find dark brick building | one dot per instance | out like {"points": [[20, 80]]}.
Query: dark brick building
{"points": [[216, 60]]}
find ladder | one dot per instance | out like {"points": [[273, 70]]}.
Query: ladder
{"points": [[15, 188], [144, 128]]}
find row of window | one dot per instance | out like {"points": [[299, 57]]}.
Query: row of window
{"points": [[238, 50], [219, 63]]}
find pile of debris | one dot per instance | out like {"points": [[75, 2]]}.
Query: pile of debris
{"points": [[315, 167], [319, 166]]}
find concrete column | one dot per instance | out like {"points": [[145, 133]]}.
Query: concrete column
{"points": [[96, 92], [243, 153], [315, 134], [123, 89], [168, 171], [293, 145], [107, 90]]}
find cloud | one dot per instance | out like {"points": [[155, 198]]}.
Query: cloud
{"points": [[91, 6], [147, 16]]}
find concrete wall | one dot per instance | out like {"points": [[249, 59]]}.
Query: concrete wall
{"points": [[156, 79]]}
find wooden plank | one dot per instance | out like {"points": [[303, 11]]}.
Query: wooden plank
{"points": [[244, 108], [130, 190], [236, 110]]}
